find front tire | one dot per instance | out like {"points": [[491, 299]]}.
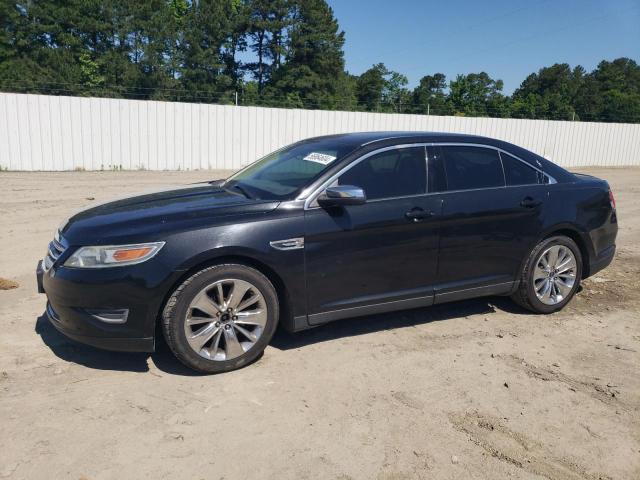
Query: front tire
{"points": [[221, 318], [551, 275]]}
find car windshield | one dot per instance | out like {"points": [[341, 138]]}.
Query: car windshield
{"points": [[285, 172]]}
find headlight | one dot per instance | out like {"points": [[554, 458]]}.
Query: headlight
{"points": [[113, 255]]}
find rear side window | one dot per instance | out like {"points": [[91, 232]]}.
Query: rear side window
{"points": [[519, 173], [468, 168], [393, 173]]}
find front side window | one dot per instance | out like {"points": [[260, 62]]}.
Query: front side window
{"points": [[393, 173], [468, 168], [517, 172], [285, 172]]}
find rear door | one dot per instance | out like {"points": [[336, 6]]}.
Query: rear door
{"points": [[378, 256], [491, 217]]}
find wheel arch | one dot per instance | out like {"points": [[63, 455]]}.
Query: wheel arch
{"points": [[243, 258], [567, 230], [577, 237], [580, 238]]}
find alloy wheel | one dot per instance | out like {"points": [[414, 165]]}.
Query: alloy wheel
{"points": [[225, 319], [554, 274]]}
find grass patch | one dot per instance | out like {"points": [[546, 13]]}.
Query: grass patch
{"points": [[6, 284]]}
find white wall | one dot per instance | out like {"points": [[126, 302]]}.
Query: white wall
{"points": [[39, 132]]}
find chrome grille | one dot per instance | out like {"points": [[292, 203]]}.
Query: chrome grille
{"points": [[56, 248]]}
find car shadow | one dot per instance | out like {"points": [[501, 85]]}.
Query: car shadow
{"points": [[90, 357]]}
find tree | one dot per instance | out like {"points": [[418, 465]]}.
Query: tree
{"points": [[204, 73], [258, 33], [236, 41], [477, 94], [612, 92], [430, 96], [268, 25], [30, 52], [370, 87], [549, 94], [314, 62], [19, 49], [280, 20], [382, 90], [396, 97], [188, 50]]}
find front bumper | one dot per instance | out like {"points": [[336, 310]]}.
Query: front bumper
{"points": [[117, 344], [83, 304]]}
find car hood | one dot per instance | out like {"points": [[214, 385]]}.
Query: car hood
{"points": [[149, 215]]}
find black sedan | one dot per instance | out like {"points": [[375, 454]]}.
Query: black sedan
{"points": [[326, 228]]}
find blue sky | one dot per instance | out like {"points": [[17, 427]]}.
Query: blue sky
{"points": [[508, 39]]}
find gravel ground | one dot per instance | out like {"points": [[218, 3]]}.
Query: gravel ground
{"points": [[475, 390]]}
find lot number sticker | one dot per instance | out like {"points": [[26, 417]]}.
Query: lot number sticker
{"points": [[319, 158]]}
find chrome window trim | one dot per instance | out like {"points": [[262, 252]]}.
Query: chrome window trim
{"points": [[384, 139], [311, 197]]}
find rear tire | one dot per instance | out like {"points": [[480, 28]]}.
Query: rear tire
{"points": [[221, 318], [551, 275]]}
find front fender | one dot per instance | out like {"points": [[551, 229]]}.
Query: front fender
{"points": [[249, 243]]}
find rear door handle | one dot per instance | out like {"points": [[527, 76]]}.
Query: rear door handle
{"points": [[529, 202], [417, 214]]}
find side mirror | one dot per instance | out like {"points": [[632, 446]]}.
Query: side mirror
{"points": [[342, 195]]}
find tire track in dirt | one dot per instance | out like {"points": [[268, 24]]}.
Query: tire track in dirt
{"points": [[604, 393], [515, 448]]}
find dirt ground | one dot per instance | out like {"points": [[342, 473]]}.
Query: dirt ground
{"points": [[471, 390]]}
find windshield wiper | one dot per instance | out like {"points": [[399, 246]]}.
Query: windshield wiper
{"points": [[241, 190]]}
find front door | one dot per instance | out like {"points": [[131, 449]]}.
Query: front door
{"points": [[379, 256]]}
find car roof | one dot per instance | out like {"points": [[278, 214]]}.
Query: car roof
{"points": [[366, 138], [373, 140]]}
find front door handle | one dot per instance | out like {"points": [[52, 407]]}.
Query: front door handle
{"points": [[417, 214], [528, 202]]}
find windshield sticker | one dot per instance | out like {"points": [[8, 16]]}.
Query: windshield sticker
{"points": [[319, 158]]}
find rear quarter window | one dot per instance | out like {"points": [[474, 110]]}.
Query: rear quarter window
{"points": [[517, 172]]}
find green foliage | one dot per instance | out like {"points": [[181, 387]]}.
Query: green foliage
{"points": [[370, 86], [615, 91], [477, 95], [90, 71], [549, 94], [314, 60], [429, 97], [203, 74], [191, 50], [382, 90]]}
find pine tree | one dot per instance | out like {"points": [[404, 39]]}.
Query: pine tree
{"points": [[203, 73], [314, 68]]}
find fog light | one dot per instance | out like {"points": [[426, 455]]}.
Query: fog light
{"points": [[116, 316]]}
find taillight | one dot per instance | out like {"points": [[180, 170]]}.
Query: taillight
{"points": [[612, 200]]}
